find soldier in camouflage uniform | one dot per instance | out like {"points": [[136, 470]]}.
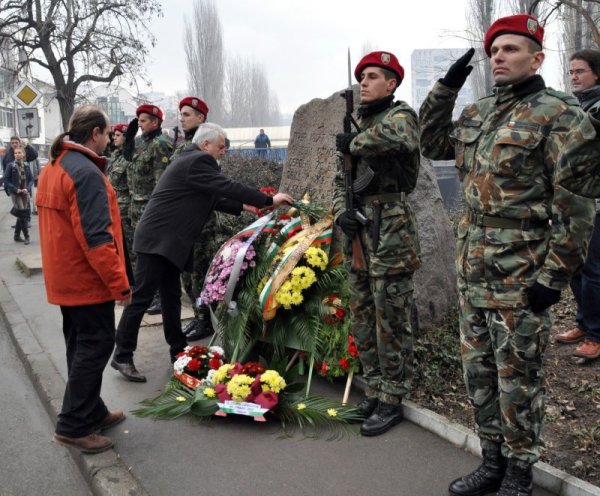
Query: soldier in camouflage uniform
{"points": [[150, 159], [192, 113], [382, 295], [512, 263], [117, 175]]}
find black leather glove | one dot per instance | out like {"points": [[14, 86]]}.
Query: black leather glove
{"points": [[343, 140], [348, 224], [129, 144], [459, 71], [541, 297]]}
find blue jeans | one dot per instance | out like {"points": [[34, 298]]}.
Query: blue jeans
{"points": [[586, 288]]}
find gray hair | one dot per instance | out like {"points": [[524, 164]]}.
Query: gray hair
{"points": [[208, 132]]}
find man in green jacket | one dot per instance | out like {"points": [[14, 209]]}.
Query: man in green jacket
{"points": [[512, 262], [386, 148]]}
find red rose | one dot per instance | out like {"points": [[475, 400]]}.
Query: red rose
{"points": [[267, 400], [214, 363], [340, 313], [215, 354], [324, 368], [193, 365], [179, 355], [352, 349], [344, 363]]}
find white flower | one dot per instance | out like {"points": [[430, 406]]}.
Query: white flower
{"points": [[217, 349], [226, 253], [210, 375], [181, 363]]}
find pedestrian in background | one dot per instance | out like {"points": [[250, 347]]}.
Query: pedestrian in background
{"points": [[84, 271], [512, 262], [584, 71], [387, 147], [18, 182]]}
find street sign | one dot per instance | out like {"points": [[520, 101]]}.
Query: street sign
{"points": [[27, 94], [28, 123]]}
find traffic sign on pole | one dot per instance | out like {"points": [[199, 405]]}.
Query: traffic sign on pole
{"points": [[27, 94]]}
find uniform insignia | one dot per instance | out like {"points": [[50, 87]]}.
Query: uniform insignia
{"points": [[155, 110], [165, 160], [124, 129], [194, 102], [385, 58], [532, 26]]}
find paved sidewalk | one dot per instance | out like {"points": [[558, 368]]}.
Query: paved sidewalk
{"points": [[233, 456]]}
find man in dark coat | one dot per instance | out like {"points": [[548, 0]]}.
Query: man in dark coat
{"points": [[184, 197]]}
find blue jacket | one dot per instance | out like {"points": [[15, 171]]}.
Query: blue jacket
{"points": [[11, 178]]}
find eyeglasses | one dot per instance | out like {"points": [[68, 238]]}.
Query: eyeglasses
{"points": [[578, 72]]}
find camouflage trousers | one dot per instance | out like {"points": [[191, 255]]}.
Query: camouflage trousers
{"points": [[214, 234], [502, 352], [381, 325], [127, 231], [136, 209]]}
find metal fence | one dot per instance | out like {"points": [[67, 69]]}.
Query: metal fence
{"points": [[274, 154]]}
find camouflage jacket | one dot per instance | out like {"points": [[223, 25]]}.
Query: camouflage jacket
{"points": [[388, 145], [579, 165], [506, 148], [182, 145], [117, 175], [150, 159]]}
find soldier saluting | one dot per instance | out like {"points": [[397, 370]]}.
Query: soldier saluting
{"points": [[386, 150], [512, 262]]}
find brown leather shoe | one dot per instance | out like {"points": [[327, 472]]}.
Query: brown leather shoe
{"points": [[92, 443], [571, 336], [112, 418], [588, 350]]}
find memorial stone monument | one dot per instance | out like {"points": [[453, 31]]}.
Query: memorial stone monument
{"points": [[310, 166]]}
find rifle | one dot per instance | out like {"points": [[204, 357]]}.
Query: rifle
{"points": [[175, 135], [359, 261]]}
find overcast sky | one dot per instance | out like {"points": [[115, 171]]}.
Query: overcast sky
{"points": [[302, 44]]}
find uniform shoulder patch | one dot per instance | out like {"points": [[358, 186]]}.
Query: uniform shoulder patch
{"points": [[165, 160]]}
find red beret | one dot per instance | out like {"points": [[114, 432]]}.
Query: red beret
{"points": [[521, 24], [195, 103], [385, 60], [150, 109], [122, 128]]}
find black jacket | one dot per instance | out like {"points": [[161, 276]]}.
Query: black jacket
{"points": [[188, 191]]}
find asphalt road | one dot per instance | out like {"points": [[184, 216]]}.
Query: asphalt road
{"points": [[29, 462]]}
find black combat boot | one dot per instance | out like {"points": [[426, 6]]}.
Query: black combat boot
{"points": [[518, 480], [368, 405], [382, 419], [155, 307], [202, 326], [484, 479]]}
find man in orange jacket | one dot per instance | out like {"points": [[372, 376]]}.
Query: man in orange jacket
{"points": [[84, 270]]}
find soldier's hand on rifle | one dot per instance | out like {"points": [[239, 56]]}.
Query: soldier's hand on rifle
{"points": [[459, 71], [541, 297], [343, 140], [348, 224]]}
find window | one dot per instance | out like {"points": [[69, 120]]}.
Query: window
{"points": [[6, 117]]}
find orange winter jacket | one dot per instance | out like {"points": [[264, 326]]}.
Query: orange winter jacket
{"points": [[80, 230]]}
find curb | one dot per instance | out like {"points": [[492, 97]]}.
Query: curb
{"points": [[106, 473], [545, 476]]}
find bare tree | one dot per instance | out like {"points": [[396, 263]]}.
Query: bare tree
{"points": [[79, 42], [205, 58], [481, 14]]}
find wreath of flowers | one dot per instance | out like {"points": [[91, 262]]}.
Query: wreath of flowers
{"points": [[198, 361]]}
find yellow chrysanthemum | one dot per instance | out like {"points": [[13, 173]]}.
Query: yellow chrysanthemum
{"points": [[272, 381], [222, 374], [181, 399], [284, 298], [332, 412], [304, 276], [209, 393], [316, 257], [297, 298], [239, 387], [301, 406]]}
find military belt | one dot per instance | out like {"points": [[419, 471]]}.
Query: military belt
{"points": [[504, 223], [384, 198]]}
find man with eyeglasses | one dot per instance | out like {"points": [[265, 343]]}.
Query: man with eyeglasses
{"points": [[512, 262], [584, 71]]}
